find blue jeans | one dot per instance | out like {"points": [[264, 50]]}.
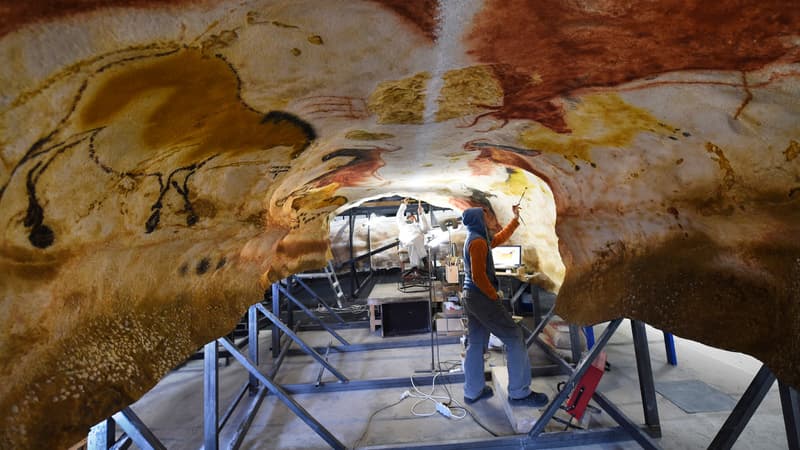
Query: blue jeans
{"points": [[485, 316]]}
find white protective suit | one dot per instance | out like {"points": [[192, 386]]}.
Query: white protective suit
{"points": [[412, 235]]}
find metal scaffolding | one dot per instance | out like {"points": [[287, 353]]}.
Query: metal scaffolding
{"points": [[219, 429]]}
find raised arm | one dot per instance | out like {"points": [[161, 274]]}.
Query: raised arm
{"points": [[503, 235], [424, 224], [401, 215]]}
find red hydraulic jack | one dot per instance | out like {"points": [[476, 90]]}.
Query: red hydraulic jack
{"points": [[578, 400]]}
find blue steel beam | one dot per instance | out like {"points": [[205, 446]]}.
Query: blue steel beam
{"points": [[319, 299], [102, 435], [284, 396], [312, 316], [210, 396], [573, 380], [791, 414], [301, 343], [137, 430], [744, 410]]}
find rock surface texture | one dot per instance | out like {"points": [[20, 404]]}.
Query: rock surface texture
{"points": [[161, 162]]}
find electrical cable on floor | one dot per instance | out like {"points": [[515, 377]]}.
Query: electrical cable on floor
{"points": [[439, 364], [458, 363], [471, 414], [364, 434], [445, 409], [444, 405], [450, 366], [466, 410], [479, 423]]}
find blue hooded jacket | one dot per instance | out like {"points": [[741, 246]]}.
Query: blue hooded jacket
{"points": [[473, 219]]}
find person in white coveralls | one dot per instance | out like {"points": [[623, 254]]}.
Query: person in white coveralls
{"points": [[412, 231]]}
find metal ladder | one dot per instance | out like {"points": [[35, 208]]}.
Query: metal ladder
{"points": [[330, 272]]}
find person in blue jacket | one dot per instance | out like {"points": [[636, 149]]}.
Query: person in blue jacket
{"points": [[486, 314]]}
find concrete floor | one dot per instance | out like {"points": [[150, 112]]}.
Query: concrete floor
{"points": [[173, 409]]}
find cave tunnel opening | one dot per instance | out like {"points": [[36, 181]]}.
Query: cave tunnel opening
{"points": [[365, 236]]}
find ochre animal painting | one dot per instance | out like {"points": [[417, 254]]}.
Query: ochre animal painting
{"points": [[163, 162]]}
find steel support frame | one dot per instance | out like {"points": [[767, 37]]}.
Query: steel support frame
{"points": [[669, 344], [749, 403], [210, 396], [369, 253], [645, 372], [575, 343], [369, 346], [244, 426], [539, 327], [259, 384], [354, 285], [277, 362], [319, 299], [266, 383], [385, 383], [371, 270], [276, 322], [311, 315], [513, 299], [351, 325], [744, 410], [102, 436], [790, 403], [278, 357], [277, 332], [252, 345], [284, 396], [576, 374], [643, 367], [669, 348], [124, 443], [137, 430], [278, 325], [536, 438], [214, 424], [571, 439], [232, 406]]}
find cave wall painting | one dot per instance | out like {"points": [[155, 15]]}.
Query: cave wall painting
{"points": [[162, 162], [181, 95]]}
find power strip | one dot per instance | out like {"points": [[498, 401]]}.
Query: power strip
{"points": [[444, 410]]}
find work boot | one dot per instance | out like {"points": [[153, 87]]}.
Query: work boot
{"points": [[534, 400], [485, 393]]}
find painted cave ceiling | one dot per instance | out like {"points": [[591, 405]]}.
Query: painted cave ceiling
{"points": [[161, 162]]}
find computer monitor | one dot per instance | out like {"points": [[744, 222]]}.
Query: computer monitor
{"points": [[507, 256]]}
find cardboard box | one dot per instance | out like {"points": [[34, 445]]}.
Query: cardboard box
{"points": [[446, 326], [451, 274]]}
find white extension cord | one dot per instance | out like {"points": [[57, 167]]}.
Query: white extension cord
{"points": [[437, 400]]}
